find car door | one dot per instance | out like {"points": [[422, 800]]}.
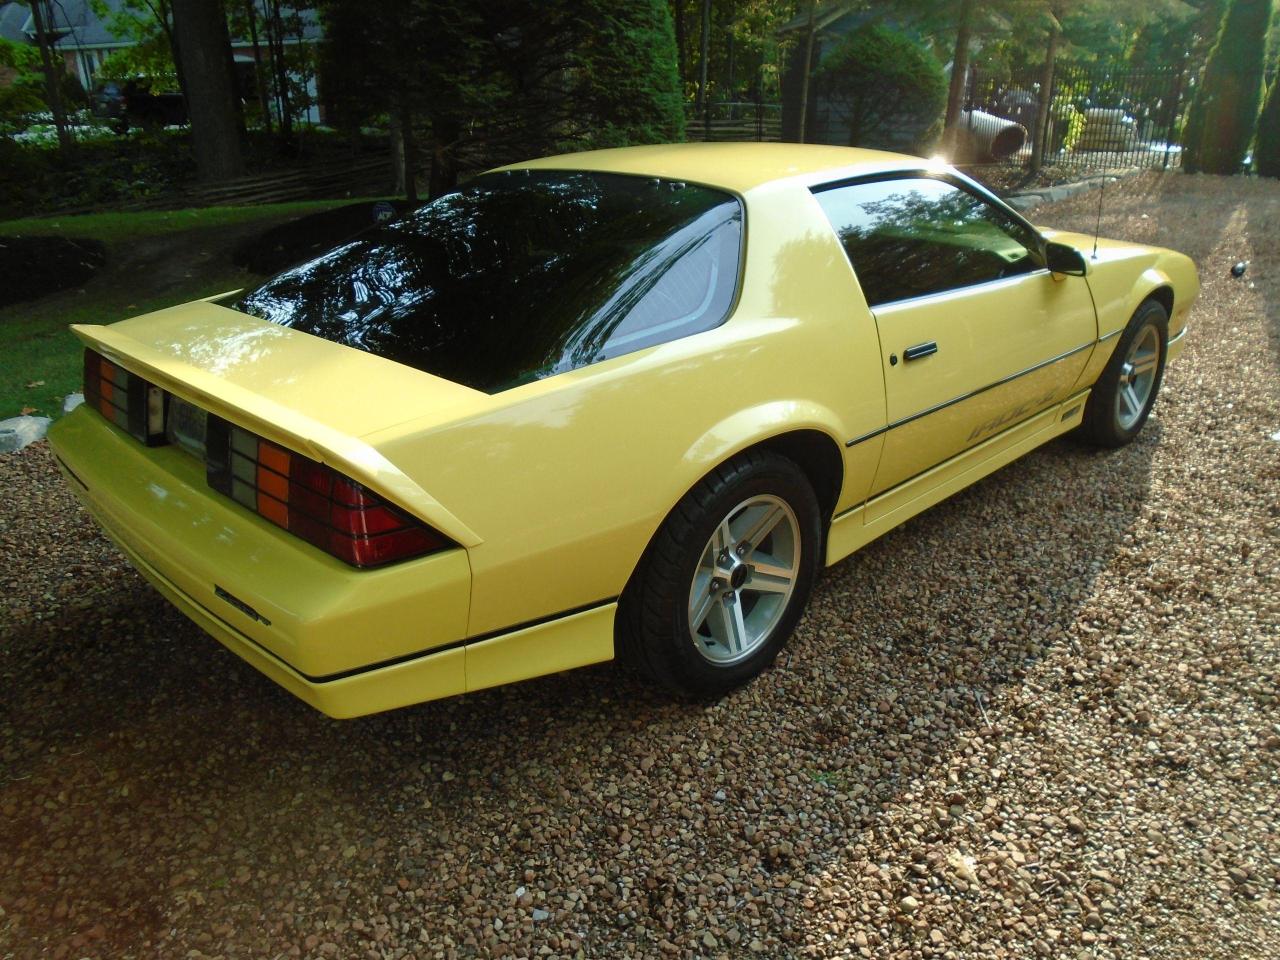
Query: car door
{"points": [[976, 335]]}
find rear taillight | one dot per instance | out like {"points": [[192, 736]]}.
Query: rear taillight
{"points": [[124, 398], [311, 500]]}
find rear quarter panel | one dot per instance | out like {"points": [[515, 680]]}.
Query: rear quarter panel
{"points": [[566, 480]]}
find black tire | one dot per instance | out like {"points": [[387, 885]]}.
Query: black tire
{"points": [[654, 635], [1102, 424]]}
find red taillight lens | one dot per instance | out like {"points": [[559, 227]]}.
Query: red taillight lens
{"points": [[311, 500], [124, 398]]}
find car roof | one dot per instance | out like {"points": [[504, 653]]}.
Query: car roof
{"points": [[739, 167]]}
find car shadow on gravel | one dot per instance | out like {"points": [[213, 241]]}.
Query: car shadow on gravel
{"points": [[185, 782]]}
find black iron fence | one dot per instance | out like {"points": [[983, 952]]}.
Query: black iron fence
{"points": [[1093, 117], [734, 120]]}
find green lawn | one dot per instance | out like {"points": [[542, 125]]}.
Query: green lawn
{"points": [[40, 360], [117, 227]]}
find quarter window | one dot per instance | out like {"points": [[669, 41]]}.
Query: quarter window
{"points": [[912, 237]]}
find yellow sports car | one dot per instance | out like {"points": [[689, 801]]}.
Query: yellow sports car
{"points": [[620, 403]]}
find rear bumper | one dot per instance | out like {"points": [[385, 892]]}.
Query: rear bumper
{"points": [[296, 613], [426, 678], [349, 642]]}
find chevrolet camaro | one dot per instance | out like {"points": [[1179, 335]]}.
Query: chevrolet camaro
{"points": [[620, 403]]}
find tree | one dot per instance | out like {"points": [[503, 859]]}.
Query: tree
{"points": [[1224, 112], [959, 72], [200, 28], [42, 18], [1267, 149], [881, 79], [22, 95], [153, 50], [504, 78]]}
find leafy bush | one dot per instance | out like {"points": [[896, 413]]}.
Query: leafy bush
{"points": [[106, 169], [23, 96], [889, 87], [1266, 151]]}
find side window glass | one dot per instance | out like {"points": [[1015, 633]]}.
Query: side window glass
{"points": [[917, 236]]}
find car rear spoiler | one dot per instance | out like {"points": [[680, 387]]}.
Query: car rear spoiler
{"points": [[290, 428]]}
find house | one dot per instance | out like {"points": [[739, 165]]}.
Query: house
{"points": [[84, 39]]}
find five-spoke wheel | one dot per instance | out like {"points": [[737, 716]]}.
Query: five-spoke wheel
{"points": [[1138, 376], [744, 580], [1121, 400], [725, 578]]}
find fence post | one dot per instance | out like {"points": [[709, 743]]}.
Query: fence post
{"points": [[1174, 111]]}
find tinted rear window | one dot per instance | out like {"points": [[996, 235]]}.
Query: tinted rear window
{"points": [[522, 275]]}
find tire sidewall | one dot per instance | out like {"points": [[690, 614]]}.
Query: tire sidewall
{"points": [[776, 477], [1106, 426]]}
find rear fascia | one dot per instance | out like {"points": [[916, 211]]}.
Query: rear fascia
{"points": [[311, 612]]}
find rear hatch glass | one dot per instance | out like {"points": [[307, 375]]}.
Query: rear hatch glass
{"points": [[522, 275]]}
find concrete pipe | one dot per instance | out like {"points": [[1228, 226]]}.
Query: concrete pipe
{"points": [[985, 138]]}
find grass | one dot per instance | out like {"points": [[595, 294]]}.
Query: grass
{"points": [[118, 227], [40, 361]]}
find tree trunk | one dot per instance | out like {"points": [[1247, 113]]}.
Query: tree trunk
{"points": [[959, 75], [705, 49], [164, 16], [410, 158], [250, 9], [733, 16], [804, 77], [232, 79], [682, 44], [52, 74], [1045, 107], [397, 152], [276, 40], [445, 133], [201, 30]]}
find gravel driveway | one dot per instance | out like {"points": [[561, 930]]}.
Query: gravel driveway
{"points": [[1040, 720]]}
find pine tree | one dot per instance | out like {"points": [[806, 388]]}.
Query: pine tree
{"points": [[1266, 151], [1224, 112]]}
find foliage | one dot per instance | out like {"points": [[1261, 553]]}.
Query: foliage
{"points": [[881, 79], [147, 25], [150, 58], [1266, 151], [625, 71], [23, 96], [109, 169], [744, 54], [503, 79], [1224, 112]]}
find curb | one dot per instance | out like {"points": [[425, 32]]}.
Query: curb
{"points": [[1024, 200]]}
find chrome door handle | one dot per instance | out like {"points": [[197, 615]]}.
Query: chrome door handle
{"points": [[920, 350]]}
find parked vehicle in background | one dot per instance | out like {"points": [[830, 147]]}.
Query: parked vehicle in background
{"points": [[1108, 129], [131, 103]]}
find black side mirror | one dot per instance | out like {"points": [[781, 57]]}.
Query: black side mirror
{"points": [[1060, 258]]}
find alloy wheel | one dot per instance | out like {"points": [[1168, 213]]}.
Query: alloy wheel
{"points": [[1137, 377], [744, 580]]}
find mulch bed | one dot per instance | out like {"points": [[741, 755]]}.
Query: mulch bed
{"points": [[35, 266]]}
